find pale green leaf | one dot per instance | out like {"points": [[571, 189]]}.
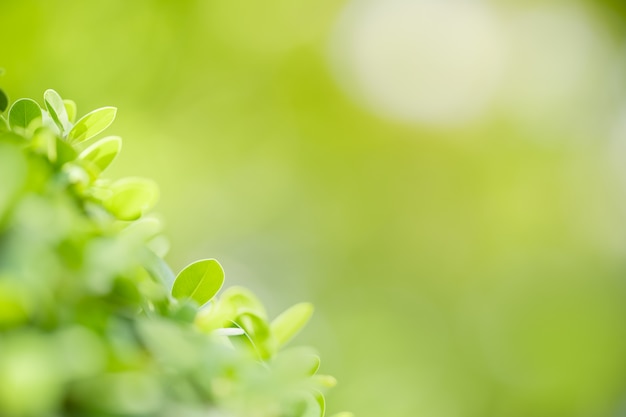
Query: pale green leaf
{"points": [[326, 381], [70, 109], [321, 401], [91, 124], [242, 300], [299, 361], [290, 322], [199, 281], [56, 108], [157, 267], [23, 112], [131, 198], [102, 153], [258, 334], [314, 405]]}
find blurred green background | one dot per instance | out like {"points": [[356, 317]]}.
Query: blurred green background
{"points": [[445, 180]]}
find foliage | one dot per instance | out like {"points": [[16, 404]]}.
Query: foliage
{"points": [[93, 321]]}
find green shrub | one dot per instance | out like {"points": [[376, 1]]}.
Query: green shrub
{"points": [[92, 320]]}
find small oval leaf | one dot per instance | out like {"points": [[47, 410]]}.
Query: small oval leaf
{"points": [[56, 108], [91, 124], [241, 300], [102, 153], [23, 112], [199, 281], [288, 324], [131, 198], [258, 334]]}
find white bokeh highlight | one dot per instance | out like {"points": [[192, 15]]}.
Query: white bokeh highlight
{"points": [[448, 63], [423, 61]]}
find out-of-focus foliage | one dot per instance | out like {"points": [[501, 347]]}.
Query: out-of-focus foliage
{"points": [[87, 322], [461, 267]]}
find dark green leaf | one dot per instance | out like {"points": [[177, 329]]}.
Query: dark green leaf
{"points": [[4, 101], [23, 112]]}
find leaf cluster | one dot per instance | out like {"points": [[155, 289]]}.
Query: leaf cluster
{"points": [[92, 319]]}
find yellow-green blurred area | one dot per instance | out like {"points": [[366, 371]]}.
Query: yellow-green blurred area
{"points": [[444, 179]]}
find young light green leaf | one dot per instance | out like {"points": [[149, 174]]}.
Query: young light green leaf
{"points": [[288, 324], [314, 405], [70, 109], [23, 112], [157, 267], [142, 230], [326, 381], [131, 198], [241, 300], [299, 361], [258, 334], [91, 124], [199, 281], [56, 108], [102, 153], [321, 401], [4, 101]]}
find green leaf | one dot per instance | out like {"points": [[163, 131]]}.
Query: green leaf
{"points": [[13, 171], [23, 112], [70, 109], [314, 405], [4, 101], [102, 153], [56, 108], [326, 381], [257, 333], [91, 124], [321, 401], [299, 361], [199, 281], [241, 300], [131, 198], [290, 322], [64, 152], [157, 268]]}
